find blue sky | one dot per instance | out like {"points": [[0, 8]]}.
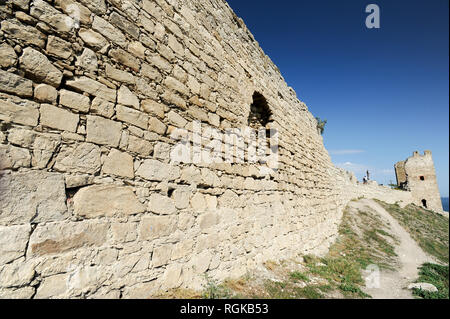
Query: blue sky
{"points": [[384, 92]]}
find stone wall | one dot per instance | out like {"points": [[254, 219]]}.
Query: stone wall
{"points": [[91, 204], [350, 189]]}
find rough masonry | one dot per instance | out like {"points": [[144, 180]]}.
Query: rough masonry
{"points": [[418, 175], [90, 203]]}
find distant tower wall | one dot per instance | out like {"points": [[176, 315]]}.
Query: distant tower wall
{"points": [[421, 180], [400, 173]]}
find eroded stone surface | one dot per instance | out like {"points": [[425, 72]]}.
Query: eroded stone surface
{"points": [[59, 237], [14, 84], [103, 131], [42, 197], [13, 241], [106, 200], [90, 116], [39, 67], [81, 158], [119, 163]]}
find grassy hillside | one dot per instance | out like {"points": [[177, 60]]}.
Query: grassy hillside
{"points": [[429, 229]]}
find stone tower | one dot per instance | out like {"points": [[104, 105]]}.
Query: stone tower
{"points": [[417, 174]]}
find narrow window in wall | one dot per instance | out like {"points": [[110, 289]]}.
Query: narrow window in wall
{"points": [[260, 114], [422, 178], [424, 203]]}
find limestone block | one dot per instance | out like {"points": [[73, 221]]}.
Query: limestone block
{"points": [[87, 60], [125, 58], [181, 196], [161, 255], [13, 242], [173, 98], [423, 286], [157, 126], [174, 84], [73, 181], [53, 287], [92, 87], [176, 119], [141, 290], [124, 25], [93, 39], [68, 7], [96, 6], [86, 278], [59, 47], [229, 199], [45, 12], [106, 200], [14, 157], [144, 88], [8, 56], [123, 232], [42, 144], [153, 107], [154, 170], [109, 31], [201, 262], [185, 221], [39, 67], [119, 163], [152, 227], [81, 158], [132, 116], [191, 175], [208, 220], [150, 72], [182, 249], [180, 74], [102, 107], [160, 63], [193, 85], [58, 118], [162, 151], [60, 237], [26, 33], [127, 98], [42, 197], [103, 131], [161, 205], [22, 4], [74, 100], [172, 277], [139, 145], [198, 202], [119, 75], [211, 202], [45, 93], [14, 84], [17, 293], [17, 274]]}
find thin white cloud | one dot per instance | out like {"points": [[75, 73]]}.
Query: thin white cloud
{"points": [[362, 169], [345, 152], [353, 167]]}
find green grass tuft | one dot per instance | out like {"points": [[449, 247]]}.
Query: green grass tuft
{"points": [[436, 275]]}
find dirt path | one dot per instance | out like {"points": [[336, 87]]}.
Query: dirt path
{"points": [[393, 283]]}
